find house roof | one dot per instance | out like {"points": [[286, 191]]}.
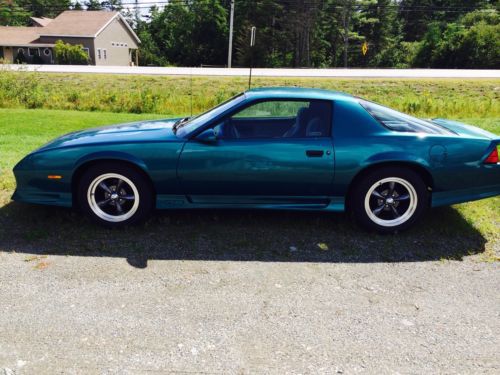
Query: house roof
{"points": [[19, 36], [78, 23], [82, 24], [43, 21]]}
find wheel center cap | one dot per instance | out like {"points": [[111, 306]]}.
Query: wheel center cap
{"points": [[389, 200], [114, 196]]}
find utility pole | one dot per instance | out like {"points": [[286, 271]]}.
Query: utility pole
{"points": [[346, 37], [230, 50]]}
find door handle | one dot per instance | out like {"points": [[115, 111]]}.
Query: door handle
{"points": [[314, 153]]}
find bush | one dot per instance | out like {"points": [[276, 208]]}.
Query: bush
{"points": [[471, 43], [20, 58], [68, 54]]}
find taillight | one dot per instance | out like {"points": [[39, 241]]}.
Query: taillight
{"points": [[492, 157]]}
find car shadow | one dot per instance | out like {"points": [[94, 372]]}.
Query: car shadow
{"points": [[239, 235]]}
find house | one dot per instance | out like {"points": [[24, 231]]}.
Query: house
{"points": [[105, 36]]}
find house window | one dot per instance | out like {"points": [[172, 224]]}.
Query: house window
{"points": [[112, 43], [126, 44], [46, 51], [99, 53], [104, 54], [33, 52]]}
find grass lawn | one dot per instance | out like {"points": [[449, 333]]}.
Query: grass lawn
{"points": [[445, 233], [172, 94]]}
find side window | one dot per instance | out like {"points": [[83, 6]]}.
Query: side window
{"points": [[272, 109], [278, 119]]}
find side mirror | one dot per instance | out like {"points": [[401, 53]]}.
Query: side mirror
{"points": [[207, 136]]}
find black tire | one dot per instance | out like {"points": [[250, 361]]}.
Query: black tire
{"points": [[112, 203], [376, 208]]}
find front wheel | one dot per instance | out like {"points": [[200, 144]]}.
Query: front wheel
{"points": [[114, 195], [389, 199]]}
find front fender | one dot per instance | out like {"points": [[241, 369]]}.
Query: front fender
{"points": [[111, 155]]}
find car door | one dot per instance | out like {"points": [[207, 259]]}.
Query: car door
{"points": [[271, 152]]}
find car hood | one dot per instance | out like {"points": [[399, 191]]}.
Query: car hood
{"points": [[134, 132], [464, 129]]}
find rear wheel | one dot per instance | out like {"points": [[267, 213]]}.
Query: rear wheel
{"points": [[389, 199], [114, 194]]}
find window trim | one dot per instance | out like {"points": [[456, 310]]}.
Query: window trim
{"points": [[214, 122], [99, 53]]}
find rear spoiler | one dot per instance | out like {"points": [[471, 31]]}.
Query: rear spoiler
{"points": [[465, 129]]}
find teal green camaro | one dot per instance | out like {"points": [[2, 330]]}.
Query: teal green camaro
{"points": [[272, 148]]}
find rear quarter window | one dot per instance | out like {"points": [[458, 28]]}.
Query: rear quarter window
{"points": [[400, 122]]}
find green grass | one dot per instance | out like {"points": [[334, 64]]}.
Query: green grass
{"points": [[446, 233], [171, 94]]}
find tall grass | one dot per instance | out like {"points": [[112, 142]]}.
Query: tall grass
{"points": [[171, 95]]}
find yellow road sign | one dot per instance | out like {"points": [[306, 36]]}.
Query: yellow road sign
{"points": [[364, 48]]}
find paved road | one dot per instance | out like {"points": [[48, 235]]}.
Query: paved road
{"points": [[332, 73], [76, 314]]}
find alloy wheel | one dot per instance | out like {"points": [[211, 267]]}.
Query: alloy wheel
{"points": [[113, 197], [391, 202]]}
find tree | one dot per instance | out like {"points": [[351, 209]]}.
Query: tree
{"points": [[70, 54], [115, 5], [150, 53], [316, 33], [271, 47], [472, 42], [12, 14], [191, 33], [93, 5], [45, 8], [418, 15]]}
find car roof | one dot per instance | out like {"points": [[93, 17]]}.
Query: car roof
{"points": [[296, 93]]}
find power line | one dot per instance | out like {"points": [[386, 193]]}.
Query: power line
{"points": [[307, 4]]}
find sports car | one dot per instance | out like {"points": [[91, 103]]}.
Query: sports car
{"points": [[268, 148]]}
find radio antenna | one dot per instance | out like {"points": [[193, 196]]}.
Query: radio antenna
{"points": [[191, 92], [252, 44]]}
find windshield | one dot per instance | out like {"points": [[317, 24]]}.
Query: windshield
{"points": [[196, 121], [401, 122]]}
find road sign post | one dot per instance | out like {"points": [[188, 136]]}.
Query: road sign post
{"points": [[253, 31]]}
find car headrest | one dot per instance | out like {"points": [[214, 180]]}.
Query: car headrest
{"points": [[316, 128]]}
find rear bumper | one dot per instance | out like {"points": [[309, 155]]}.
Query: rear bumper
{"points": [[447, 198]]}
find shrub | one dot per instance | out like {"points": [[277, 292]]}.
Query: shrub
{"points": [[20, 58], [66, 53]]}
